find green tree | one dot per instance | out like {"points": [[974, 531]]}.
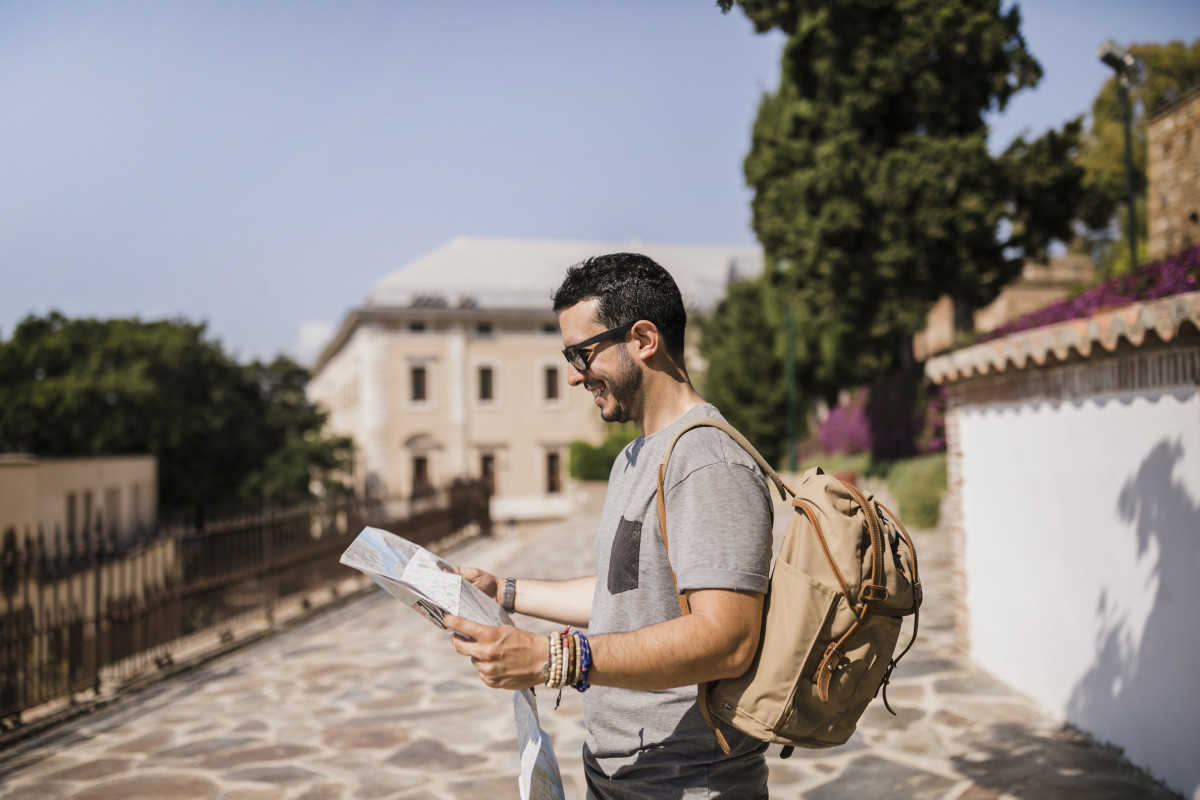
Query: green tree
{"points": [[874, 191], [744, 377], [1165, 73], [221, 432], [300, 457]]}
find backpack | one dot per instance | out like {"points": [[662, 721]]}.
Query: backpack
{"points": [[831, 617]]}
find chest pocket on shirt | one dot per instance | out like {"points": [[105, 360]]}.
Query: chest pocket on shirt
{"points": [[625, 558]]}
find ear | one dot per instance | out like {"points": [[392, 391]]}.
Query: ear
{"points": [[647, 338]]}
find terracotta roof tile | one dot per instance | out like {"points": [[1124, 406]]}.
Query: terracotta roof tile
{"points": [[1100, 332]]}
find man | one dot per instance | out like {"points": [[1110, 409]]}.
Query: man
{"points": [[622, 320]]}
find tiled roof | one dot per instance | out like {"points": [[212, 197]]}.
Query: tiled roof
{"points": [[521, 273], [1157, 320]]}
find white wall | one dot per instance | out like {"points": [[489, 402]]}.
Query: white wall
{"points": [[1082, 557]]}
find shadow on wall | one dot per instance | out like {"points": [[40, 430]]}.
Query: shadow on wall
{"points": [[1141, 690]]}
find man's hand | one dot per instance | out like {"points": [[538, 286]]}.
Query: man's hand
{"points": [[485, 582], [505, 657]]}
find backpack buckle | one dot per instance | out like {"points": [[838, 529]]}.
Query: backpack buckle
{"points": [[875, 593]]}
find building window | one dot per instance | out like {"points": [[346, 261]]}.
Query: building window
{"points": [[551, 383], [484, 329], [553, 476], [421, 484], [487, 471], [486, 389], [416, 327], [549, 328], [420, 391]]}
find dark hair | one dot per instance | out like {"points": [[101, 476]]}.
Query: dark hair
{"points": [[629, 286]]}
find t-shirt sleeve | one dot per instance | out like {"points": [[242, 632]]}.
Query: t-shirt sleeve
{"points": [[719, 529]]}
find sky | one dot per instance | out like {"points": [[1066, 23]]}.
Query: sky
{"points": [[258, 166]]}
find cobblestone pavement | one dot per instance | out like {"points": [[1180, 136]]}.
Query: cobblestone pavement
{"points": [[367, 700]]}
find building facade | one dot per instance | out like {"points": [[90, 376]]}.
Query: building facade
{"points": [[65, 496], [1073, 459], [1173, 177], [452, 367]]}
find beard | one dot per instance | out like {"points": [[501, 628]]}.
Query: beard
{"points": [[623, 389]]}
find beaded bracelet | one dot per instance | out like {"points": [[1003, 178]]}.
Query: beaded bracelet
{"points": [[554, 663], [564, 654], [585, 662], [579, 660]]}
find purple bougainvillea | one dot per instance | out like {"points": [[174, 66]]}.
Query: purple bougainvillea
{"points": [[897, 416], [846, 429], [1175, 275], [901, 415]]}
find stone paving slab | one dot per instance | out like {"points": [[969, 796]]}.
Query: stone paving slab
{"points": [[368, 700]]}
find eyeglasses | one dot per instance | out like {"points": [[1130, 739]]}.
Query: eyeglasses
{"points": [[579, 355]]}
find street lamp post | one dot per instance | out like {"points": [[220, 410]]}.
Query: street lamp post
{"points": [[1123, 63]]}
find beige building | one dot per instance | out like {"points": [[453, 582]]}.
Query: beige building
{"points": [[65, 495], [1173, 177], [452, 367]]}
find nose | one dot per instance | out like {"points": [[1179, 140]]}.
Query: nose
{"points": [[574, 376]]}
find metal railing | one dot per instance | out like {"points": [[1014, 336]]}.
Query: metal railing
{"points": [[75, 612]]}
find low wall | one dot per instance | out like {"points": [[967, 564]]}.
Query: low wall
{"points": [[1078, 514]]}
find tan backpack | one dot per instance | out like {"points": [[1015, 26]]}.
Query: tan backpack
{"points": [[831, 619]]}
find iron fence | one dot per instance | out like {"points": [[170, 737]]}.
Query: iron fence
{"points": [[75, 611]]}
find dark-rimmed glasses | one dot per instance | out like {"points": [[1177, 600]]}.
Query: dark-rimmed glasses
{"points": [[579, 355]]}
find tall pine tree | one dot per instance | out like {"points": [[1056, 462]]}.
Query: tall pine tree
{"points": [[874, 191]]}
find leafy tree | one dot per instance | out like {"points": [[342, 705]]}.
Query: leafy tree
{"points": [[221, 432], [744, 377], [874, 191], [300, 458], [1166, 72]]}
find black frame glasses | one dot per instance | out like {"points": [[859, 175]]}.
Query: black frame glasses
{"points": [[579, 355]]}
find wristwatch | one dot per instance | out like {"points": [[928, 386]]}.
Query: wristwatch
{"points": [[510, 594]]}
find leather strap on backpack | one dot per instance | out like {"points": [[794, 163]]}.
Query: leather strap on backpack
{"points": [[684, 609], [872, 591], [918, 596]]}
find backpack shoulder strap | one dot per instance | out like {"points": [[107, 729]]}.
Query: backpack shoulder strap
{"points": [[784, 490], [732, 433], [661, 494]]}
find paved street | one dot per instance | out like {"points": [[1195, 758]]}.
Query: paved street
{"points": [[368, 700]]}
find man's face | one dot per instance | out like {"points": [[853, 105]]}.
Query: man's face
{"points": [[612, 375]]}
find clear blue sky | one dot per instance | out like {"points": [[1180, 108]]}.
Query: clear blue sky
{"points": [[259, 165]]}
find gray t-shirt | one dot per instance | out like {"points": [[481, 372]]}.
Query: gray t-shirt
{"points": [[656, 744]]}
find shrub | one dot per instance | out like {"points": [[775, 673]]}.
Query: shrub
{"points": [[860, 463], [846, 429], [918, 485], [897, 416], [588, 462]]}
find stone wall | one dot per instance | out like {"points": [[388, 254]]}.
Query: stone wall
{"points": [[1173, 176]]}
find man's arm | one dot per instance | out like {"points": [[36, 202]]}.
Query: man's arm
{"points": [[717, 640], [568, 602]]}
